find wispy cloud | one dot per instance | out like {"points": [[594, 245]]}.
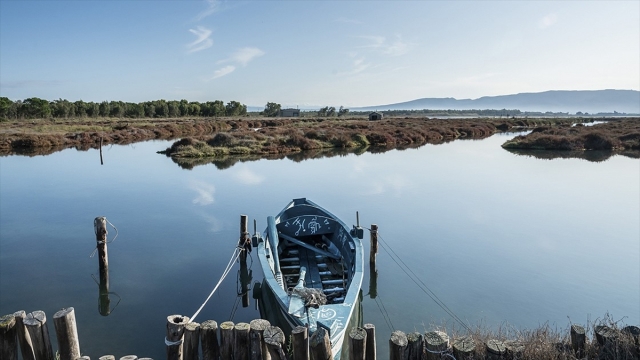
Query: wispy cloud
{"points": [[348, 21], [248, 177], [203, 40], [548, 20], [204, 192], [222, 72], [212, 7], [395, 47], [244, 56]]}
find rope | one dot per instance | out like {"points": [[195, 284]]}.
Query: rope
{"points": [[234, 257], [95, 230], [442, 353], [172, 343]]}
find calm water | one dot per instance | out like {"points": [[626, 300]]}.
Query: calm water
{"points": [[499, 238]]}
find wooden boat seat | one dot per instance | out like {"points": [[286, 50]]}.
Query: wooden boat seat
{"points": [[308, 260]]}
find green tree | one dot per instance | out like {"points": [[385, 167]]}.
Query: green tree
{"points": [[149, 109], [5, 107], [81, 108], [323, 111], [331, 111], [36, 108], [271, 109], [174, 108], [234, 108], [194, 109], [342, 111], [184, 107], [104, 109]]}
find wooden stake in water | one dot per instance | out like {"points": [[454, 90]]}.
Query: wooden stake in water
{"points": [[64, 322], [36, 324], [26, 347], [374, 244], [175, 332]]}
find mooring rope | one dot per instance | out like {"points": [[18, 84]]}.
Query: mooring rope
{"points": [[95, 229], [236, 253]]}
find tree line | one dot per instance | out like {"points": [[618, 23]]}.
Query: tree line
{"points": [[36, 108], [272, 109]]}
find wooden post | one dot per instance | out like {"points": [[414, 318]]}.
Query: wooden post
{"points": [[371, 341], [495, 349], [226, 340], [320, 346], [244, 235], [374, 244], [357, 344], [415, 346], [36, 324], [107, 357], [129, 357], [578, 340], [83, 358], [242, 341], [300, 343], [436, 342], [191, 341], [258, 347], [464, 348], [26, 347], [175, 332], [274, 338], [209, 340], [64, 321], [398, 345], [514, 349], [8, 338], [604, 334]]}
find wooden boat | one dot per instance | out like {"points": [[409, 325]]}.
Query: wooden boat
{"points": [[313, 267]]}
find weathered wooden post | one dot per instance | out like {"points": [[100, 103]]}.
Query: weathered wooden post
{"points": [[8, 337], [578, 340], [415, 346], [320, 346], [374, 244], [83, 358], [300, 343], [514, 349], [371, 341], [398, 345], [242, 341], [244, 235], [464, 348], [274, 339], [209, 340], [357, 344], [129, 357], [36, 324], [26, 347], [495, 349], [226, 339], [191, 342], [175, 332], [436, 342], [100, 228], [64, 321], [258, 347], [107, 357]]}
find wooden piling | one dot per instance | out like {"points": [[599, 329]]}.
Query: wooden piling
{"points": [[226, 340], [435, 343], [300, 343], [374, 244], [274, 339], [100, 228], [604, 334], [175, 333], [495, 349], [191, 342], [415, 346], [357, 344], [371, 341], [64, 321], [129, 357], [241, 341], [209, 340], [256, 333], [36, 324], [244, 235], [578, 340], [8, 338], [398, 345], [107, 357], [26, 347], [464, 348], [514, 349], [83, 358], [320, 346]]}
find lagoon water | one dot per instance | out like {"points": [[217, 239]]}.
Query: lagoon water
{"points": [[503, 240]]}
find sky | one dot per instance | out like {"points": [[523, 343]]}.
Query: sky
{"points": [[314, 53]]}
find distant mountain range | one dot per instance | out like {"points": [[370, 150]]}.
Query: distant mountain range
{"points": [[586, 101]]}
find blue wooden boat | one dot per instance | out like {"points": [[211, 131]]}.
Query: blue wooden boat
{"points": [[313, 267]]}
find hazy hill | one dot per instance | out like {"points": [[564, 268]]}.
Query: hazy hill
{"points": [[591, 101]]}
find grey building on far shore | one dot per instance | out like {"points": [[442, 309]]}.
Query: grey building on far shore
{"points": [[289, 113], [375, 116]]}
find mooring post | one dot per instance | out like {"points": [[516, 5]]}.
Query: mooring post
{"points": [[36, 324], [357, 344], [244, 237], [64, 322], [191, 341], [107, 357], [435, 342], [209, 340], [398, 345], [578, 340], [241, 341], [274, 339], [415, 346], [26, 347], [374, 244], [129, 357], [226, 340], [100, 228], [371, 341], [464, 348], [495, 349], [320, 346], [8, 337], [300, 343], [175, 332], [258, 347]]}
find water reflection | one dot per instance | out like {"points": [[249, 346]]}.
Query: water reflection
{"points": [[590, 155]]}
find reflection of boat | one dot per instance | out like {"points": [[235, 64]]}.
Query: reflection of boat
{"points": [[313, 268]]}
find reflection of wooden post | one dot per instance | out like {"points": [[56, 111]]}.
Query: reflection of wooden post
{"points": [[258, 347], [36, 323], [373, 281], [175, 332], [64, 322], [245, 282], [8, 336], [300, 343], [244, 234], [26, 347], [371, 341], [374, 244], [357, 344], [209, 340], [101, 163]]}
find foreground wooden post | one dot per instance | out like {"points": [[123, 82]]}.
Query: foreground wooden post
{"points": [[191, 342], [107, 357], [64, 321], [36, 324], [8, 337], [129, 357], [175, 332], [464, 348], [371, 341], [300, 343], [436, 342], [226, 340], [374, 244], [209, 340], [274, 338], [398, 345], [415, 346], [26, 347], [242, 341], [495, 349], [357, 344], [320, 346], [256, 333], [578, 340]]}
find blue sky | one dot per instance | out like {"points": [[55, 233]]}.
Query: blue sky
{"points": [[306, 53]]}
